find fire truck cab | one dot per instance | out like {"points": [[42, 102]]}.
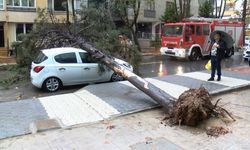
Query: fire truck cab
{"points": [[191, 38]]}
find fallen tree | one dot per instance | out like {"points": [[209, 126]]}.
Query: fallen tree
{"points": [[192, 106]]}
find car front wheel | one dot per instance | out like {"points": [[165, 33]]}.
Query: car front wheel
{"points": [[115, 77], [52, 84]]}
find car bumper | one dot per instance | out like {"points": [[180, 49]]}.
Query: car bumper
{"points": [[176, 52], [246, 55], [36, 80]]}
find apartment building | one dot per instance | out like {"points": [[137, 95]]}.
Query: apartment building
{"points": [[230, 9], [149, 23], [17, 17]]}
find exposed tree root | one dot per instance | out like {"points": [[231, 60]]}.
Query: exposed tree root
{"points": [[194, 106]]}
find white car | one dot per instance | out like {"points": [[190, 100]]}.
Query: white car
{"points": [[246, 53], [57, 67]]}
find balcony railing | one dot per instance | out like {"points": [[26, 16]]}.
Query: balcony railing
{"points": [[149, 13], [22, 9]]}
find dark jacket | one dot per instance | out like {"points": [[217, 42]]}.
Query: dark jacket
{"points": [[220, 51]]}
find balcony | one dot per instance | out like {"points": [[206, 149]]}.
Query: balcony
{"points": [[149, 13], [21, 9]]}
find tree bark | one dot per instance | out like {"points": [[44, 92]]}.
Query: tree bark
{"points": [[216, 10], [152, 91], [225, 3], [244, 13]]}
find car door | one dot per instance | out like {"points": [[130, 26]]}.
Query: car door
{"points": [[68, 69], [90, 68]]}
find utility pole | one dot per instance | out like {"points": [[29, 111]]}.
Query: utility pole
{"points": [[244, 13]]}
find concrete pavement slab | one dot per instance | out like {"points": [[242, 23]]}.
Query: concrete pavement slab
{"points": [[226, 81], [16, 116], [70, 109], [143, 127], [103, 101]]}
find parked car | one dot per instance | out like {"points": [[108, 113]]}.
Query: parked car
{"points": [[246, 53], [247, 40], [57, 67]]}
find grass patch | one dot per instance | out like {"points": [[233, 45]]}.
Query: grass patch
{"points": [[13, 75]]}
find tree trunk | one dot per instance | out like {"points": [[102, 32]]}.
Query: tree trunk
{"points": [[216, 10], [73, 8], [135, 39], [225, 3], [152, 91], [244, 13], [67, 12]]}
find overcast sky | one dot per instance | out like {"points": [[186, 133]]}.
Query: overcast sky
{"points": [[239, 5]]}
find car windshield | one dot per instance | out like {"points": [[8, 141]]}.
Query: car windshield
{"points": [[173, 30], [40, 58]]}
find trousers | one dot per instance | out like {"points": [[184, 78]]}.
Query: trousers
{"points": [[216, 65]]}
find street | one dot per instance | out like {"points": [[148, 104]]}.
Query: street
{"points": [[151, 66]]}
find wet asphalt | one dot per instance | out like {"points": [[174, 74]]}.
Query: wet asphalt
{"points": [[153, 66]]}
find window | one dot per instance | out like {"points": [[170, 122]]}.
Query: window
{"points": [[1, 4], [86, 58], [169, 5], [198, 30], [172, 30], [190, 29], [66, 58], [40, 58], [60, 5], [206, 30], [1, 35], [22, 29], [21, 3], [80, 3], [150, 5]]}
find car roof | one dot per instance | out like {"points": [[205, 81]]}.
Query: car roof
{"points": [[55, 51]]}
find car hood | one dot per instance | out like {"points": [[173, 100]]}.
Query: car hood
{"points": [[124, 64]]}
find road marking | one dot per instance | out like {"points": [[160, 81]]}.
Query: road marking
{"points": [[172, 89], [226, 81], [148, 63], [100, 106], [70, 109]]}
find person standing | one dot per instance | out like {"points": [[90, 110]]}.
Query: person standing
{"points": [[217, 53]]}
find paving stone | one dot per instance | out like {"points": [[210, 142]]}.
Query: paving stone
{"points": [[44, 125], [191, 82], [156, 144]]}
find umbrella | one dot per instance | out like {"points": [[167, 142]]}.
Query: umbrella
{"points": [[225, 37]]}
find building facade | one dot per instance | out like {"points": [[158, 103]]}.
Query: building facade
{"points": [[17, 17], [149, 22]]}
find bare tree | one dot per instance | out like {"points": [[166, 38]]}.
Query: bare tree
{"points": [[244, 13], [128, 12]]}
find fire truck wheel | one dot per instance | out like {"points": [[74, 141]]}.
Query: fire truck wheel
{"points": [[195, 55]]}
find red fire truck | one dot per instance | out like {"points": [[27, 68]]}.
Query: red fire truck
{"points": [[191, 38]]}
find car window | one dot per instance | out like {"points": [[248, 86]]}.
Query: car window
{"points": [[66, 58], [198, 30], [206, 30], [40, 58], [86, 58], [190, 29]]}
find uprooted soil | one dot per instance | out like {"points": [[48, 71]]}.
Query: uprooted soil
{"points": [[194, 106]]}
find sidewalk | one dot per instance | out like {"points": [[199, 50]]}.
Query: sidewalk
{"points": [[99, 102], [145, 131], [150, 52]]}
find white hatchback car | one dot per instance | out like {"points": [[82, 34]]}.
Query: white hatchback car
{"points": [[57, 67], [246, 53]]}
